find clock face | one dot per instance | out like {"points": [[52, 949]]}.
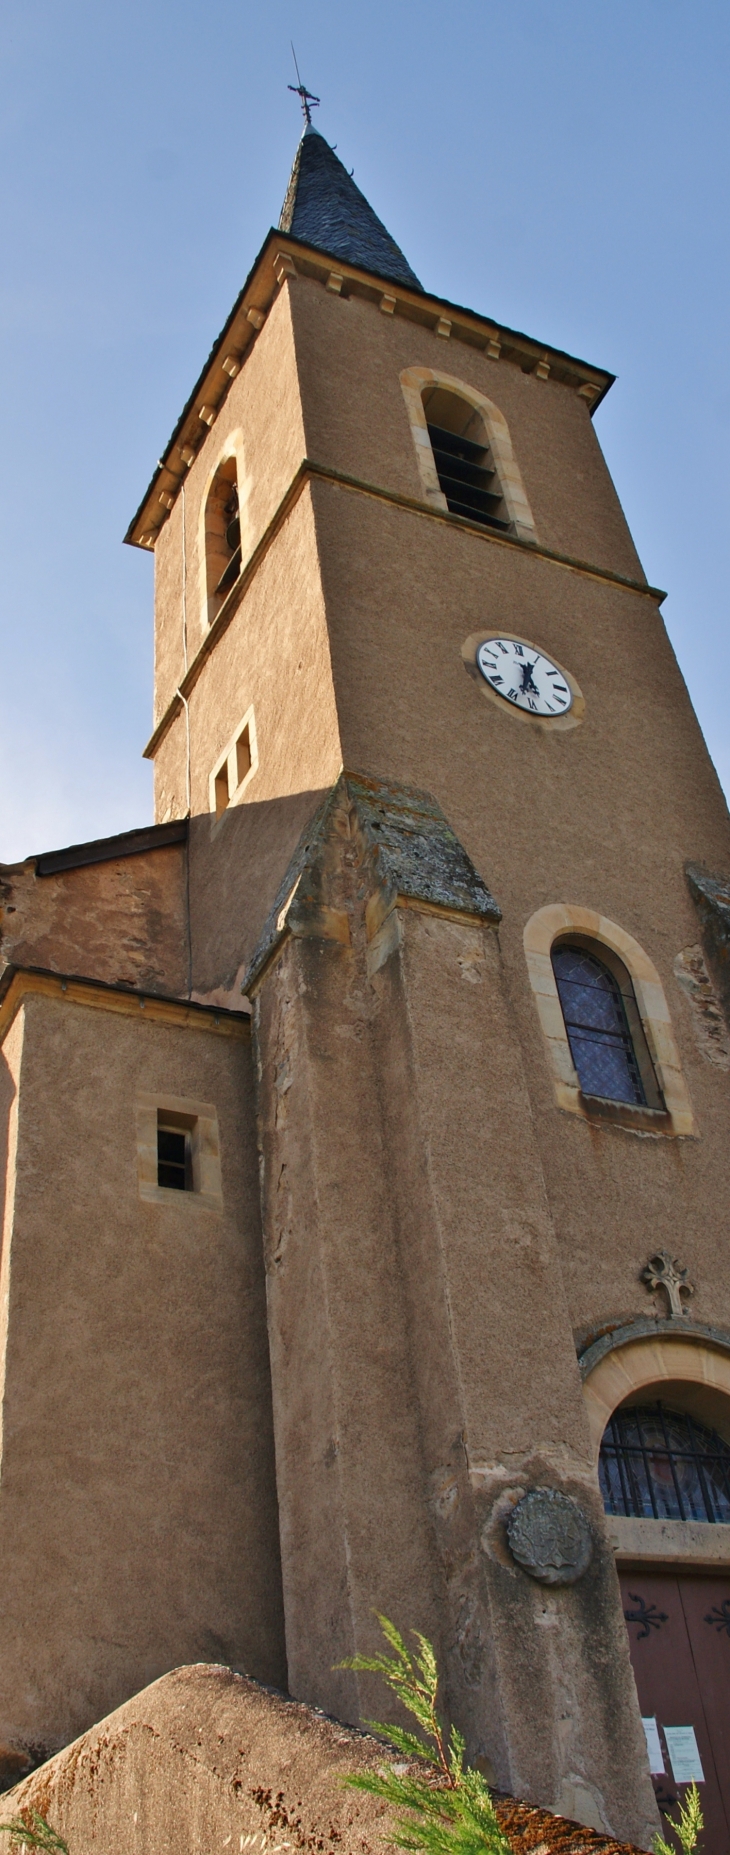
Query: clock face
{"points": [[524, 676]]}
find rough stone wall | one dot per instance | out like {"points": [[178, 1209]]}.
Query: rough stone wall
{"points": [[138, 1521], [205, 1760], [122, 921]]}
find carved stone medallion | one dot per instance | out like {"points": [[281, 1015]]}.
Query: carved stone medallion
{"points": [[549, 1536]]}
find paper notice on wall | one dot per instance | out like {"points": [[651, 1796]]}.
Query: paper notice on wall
{"points": [[653, 1745], [684, 1756]]}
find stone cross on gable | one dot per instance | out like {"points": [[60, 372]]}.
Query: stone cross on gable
{"points": [[663, 1271]]}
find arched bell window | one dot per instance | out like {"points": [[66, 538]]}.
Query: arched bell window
{"points": [[604, 1029], [466, 469], [662, 1464], [222, 536]]}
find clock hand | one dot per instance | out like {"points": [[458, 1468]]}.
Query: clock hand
{"points": [[529, 687]]}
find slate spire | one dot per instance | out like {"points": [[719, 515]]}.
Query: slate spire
{"points": [[323, 207]]}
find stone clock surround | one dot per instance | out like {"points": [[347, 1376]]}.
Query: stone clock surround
{"points": [[555, 724]]}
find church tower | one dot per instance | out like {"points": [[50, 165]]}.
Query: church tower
{"points": [[437, 972]]}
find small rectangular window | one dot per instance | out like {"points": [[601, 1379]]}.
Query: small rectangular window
{"points": [[178, 1152], [174, 1169], [173, 1160], [234, 768]]}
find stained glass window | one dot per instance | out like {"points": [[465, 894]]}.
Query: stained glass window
{"points": [[598, 1032], [660, 1464]]}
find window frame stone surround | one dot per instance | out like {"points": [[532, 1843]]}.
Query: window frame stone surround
{"points": [[646, 1364], [228, 758], [413, 381], [557, 921], [201, 1118]]}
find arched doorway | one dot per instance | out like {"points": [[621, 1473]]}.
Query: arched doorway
{"points": [[664, 1473]]}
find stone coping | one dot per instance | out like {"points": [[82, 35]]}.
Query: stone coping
{"points": [[19, 982]]}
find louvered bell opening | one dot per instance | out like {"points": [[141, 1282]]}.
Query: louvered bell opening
{"points": [[233, 541], [467, 478]]}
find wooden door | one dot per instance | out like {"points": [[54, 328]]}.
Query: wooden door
{"points": [[679, 1631]]}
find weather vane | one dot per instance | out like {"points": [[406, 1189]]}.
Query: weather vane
{"points": [[307, 100]]}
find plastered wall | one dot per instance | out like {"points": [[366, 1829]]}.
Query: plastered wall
{"points": [[603, 816], [350, 358], [274, 657], [138, 1524], [261, 422]]}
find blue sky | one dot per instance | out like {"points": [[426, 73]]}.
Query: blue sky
{"points": [[562, 167]]}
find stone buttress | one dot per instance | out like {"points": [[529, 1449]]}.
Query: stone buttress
{"points": [[397, 1152]]}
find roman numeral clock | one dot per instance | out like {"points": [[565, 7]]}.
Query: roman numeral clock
{"points": [[525, 676]]}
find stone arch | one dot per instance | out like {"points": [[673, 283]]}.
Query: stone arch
{"points": [[414, 381], [683, 1364], [558, 920]]}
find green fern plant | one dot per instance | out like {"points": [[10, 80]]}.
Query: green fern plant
{"points": [[688, 1829], [449, 1810], [36, 1833]]}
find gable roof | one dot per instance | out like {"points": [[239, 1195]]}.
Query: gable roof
{"points": [[324, 208]]}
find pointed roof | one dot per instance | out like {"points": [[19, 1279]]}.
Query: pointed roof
{"points": [[323, 207]]}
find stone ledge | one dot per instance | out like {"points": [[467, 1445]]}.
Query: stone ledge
{"points": [[689, 1543]]}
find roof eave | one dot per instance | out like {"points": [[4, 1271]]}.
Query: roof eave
{"points": [[239, 332]]}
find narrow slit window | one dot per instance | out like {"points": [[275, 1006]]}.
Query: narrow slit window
{"points": [[605, 1033], [174, 1158], [466, 470]]}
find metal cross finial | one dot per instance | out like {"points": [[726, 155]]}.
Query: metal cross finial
{"points": [[307, 100], [663, 1271]]}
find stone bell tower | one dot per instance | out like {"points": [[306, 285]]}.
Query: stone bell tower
{"points": [[423, 711], [419, 724]]}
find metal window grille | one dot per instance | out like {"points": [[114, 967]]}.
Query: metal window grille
{"points": [[598, 1032], [467, 478], [660, 1464]]}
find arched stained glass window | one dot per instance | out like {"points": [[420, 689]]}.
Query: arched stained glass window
{"points": [[595, 1012], [660, 1464]]}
